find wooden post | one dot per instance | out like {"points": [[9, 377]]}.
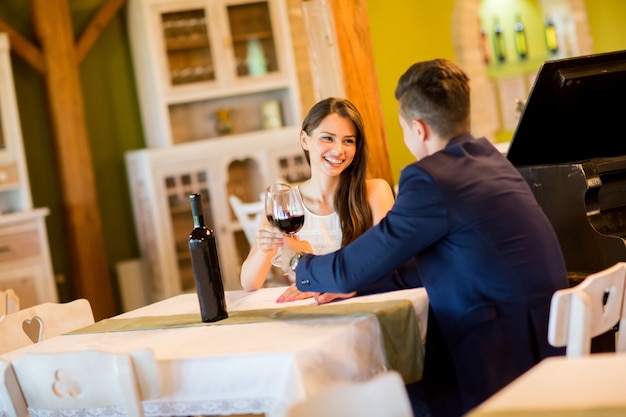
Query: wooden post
{"points": [[86, 252], [360, 81]]}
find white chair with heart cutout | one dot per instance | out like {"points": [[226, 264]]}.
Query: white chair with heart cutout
{"points": [[382, 396], [88, 382], [9, 302], [591, 308], [248, 215], [34, 324], [11, 399]]}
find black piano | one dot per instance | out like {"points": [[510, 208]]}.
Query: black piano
{"points": [[570, 145]]}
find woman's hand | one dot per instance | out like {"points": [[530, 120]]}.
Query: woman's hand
{"points": [[269, 237], [293, 294]]}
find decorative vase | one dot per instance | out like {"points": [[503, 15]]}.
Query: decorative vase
{"points": [[223, 121], [256, 58]]}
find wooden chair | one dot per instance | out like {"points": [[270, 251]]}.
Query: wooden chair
{"points": [[382, 396], [11, 399], [112, 383], [34, 324], [589, 309], [9, 302], [247, 215]]}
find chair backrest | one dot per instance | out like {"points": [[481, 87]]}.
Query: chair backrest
{"points": [[382, 396], [34, 324], [9, 302], [589, 309], [247, 215], [11, 399], [111, 383]]}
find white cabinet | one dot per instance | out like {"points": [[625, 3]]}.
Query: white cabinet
{"points": [[14, 184], [25, 264], [220, 106], [161, 180], [198, 62]]}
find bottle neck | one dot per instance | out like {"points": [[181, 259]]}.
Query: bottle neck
{"points": [[198, 221]]}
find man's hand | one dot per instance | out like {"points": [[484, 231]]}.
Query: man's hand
{"points": [[290, 248], [327, 297]]}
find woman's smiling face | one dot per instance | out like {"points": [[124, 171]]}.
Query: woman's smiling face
{"points": [[332, 145]]}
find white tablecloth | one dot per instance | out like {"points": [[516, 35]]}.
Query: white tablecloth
{"points": [[247, 368], [589, 386]]}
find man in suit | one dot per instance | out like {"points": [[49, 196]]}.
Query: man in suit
{"points": [[466, 226]]}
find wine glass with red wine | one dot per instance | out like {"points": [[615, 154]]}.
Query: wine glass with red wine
{"points": [[284, 210]]}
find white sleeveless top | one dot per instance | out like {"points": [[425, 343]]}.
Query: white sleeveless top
{"points": [[322, 232]]}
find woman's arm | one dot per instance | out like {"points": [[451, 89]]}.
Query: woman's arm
{"points": [[257, 265]]}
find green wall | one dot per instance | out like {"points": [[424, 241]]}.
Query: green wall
{"points": [[113, 124], [402, 33]]}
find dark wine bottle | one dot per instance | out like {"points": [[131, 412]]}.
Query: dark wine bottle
{"points": [[206, 266]]}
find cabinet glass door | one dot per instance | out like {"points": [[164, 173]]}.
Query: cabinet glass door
{"points": [[178, 187], [189, 54], [253, 38]]}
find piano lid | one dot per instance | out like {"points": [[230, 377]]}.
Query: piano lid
{"points": [[576, 110]]}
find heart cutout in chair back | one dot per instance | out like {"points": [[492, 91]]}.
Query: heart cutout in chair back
{"points": [[33, 328]]}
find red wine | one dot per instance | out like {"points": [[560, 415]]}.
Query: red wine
{"points": [[270, 218], [206, 266], [291, 224]]}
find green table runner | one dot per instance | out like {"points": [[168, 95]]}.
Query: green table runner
{"points": [[398, 323], [581, 412]]}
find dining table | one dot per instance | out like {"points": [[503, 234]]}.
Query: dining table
{"points": [[265, 356], [587, 386]]}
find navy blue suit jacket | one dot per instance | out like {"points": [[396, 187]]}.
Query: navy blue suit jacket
{"points": [[467, 227]]}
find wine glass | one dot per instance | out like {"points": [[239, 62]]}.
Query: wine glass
{"points": [[284, 210]]}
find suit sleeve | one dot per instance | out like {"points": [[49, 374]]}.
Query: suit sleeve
{"points": [[404, 277], [416, 220]]}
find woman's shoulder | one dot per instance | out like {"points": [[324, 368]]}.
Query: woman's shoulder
{"points": [[380, 197], [378, 187]]}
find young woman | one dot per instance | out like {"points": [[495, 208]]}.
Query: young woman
{"points": [[340, 204]]}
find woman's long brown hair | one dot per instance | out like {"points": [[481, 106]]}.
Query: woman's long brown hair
{"points": [[351, 203]]}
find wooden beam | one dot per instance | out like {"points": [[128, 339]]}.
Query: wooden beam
{"points": [[356, 52], [24, 48], [96, 26], [85, 246]]}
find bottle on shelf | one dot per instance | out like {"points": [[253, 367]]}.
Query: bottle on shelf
{"points": [[484, 44], [520, 38], [223, 121], [257, 64], [552, 42], [499, 49], [206, 266]]}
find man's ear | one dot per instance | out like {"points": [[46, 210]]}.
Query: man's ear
{"points": [[420, 128]]}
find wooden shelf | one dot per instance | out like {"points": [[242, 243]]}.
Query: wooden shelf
{"points": [[248, 36]]}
